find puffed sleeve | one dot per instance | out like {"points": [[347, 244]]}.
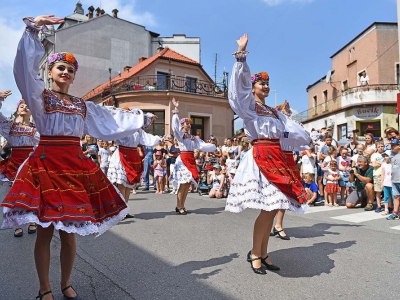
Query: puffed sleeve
{"points": [[176, 126], [295, 134], [203, 146], [240, 96], [26, 68], [5, 123], [110, 123], [147, 139]]}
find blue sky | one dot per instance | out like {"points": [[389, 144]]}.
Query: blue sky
{"points": [[290, 39]]}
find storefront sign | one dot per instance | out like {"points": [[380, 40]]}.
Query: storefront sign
{"points": [[368, 113]]}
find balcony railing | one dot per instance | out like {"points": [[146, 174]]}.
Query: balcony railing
{"points": [[168, 83], [339, 102]]}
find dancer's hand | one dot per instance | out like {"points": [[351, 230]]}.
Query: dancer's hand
{"points": [[175, 103], [48, 20], [242, 42], [5, 94]]}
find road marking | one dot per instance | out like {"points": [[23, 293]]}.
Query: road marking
{"points": [[317, 209], [395, 228], [360, 217]]}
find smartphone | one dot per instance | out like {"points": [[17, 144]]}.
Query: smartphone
{"points": [[356, 130]]}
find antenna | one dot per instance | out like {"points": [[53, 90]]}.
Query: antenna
{"points": [[215, 68], [328, 76]]}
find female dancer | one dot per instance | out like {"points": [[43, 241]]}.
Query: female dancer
{"points": [[185, 171], [58, 187], [263, 180], [21, 134], [126, 165]]}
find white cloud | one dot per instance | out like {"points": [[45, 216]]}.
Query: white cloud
{"points": [[125, 11], [10, 37], [277, 2]]}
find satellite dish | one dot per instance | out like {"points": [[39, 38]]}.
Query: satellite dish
{"points": [[328, 76]]}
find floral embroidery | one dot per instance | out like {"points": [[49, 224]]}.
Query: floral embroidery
{"points": [[52, 104], [188, 136], [18, 130], [265, 111]]}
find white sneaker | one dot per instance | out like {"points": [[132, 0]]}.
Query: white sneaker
{"points": [[176, 192], [172, 192]]}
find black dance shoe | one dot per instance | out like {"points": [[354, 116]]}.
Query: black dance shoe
{"points": [[70, 298], [40, 296], [270, 267], [259, 271], [18, 232], [278, 232]]}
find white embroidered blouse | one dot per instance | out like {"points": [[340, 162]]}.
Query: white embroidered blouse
{"points": [[73, 117], [139, 137], [16, 134], [188, 142], [261, 121]]}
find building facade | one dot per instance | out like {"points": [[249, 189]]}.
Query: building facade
{"points": [[104, 44], [151, 84], [340, 101]]}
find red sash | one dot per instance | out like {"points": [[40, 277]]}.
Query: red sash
{"points": [[292, 164], [9, 167], [132, 162], [274, 166], [189, 161]]}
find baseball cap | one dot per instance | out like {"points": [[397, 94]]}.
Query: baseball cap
{"points": [[216, 166], [231, 151], [233, 171]]}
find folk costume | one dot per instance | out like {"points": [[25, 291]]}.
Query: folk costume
{"points": [[126, 166], [185, 170], [58, 184], [263, 180]]}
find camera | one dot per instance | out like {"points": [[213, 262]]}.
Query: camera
{"points": [[352, 171], [356, 130]]}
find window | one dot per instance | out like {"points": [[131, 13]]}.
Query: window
{"points": [[191, 85], [315, 104], [162, 81], [398, 73], [325, 100], [345, 85], [197, 127], [158, 127], [342, 132]]}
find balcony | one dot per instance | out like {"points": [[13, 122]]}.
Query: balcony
{"points": [[371, 94], [167, 83]]}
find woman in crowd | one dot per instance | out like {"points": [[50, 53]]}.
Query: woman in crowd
{"points": [[126, 166], [352, 146], [370, 146], [21, 134], [263, 180], [58, 187], [185, 170]]}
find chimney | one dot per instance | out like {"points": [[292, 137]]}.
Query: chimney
{"points": [[127, 68], [142, 59], [98, 10], [115, 13], [90, 12], [102, 12]]}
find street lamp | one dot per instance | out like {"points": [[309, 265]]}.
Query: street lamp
{"points": [[276, 95]]}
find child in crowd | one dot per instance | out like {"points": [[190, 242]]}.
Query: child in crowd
{"points": [[332, 154], [231, 161], [395, 160], [360, 151], [332, 186], [386, 184], [208, 166], [344, 165], [376, 162], [244, 149], [224, 167], [217, 179], [159, 165], [103, 156], [308, 162], [310, 187]]}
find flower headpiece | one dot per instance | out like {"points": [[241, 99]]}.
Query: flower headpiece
{"points": [[188, 120], [22, 101], [259, 76], [65, 57]]}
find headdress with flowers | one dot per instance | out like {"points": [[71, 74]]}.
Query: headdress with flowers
{"points": [[22, 101], [65, 57], [188, 120], [259, 76]]}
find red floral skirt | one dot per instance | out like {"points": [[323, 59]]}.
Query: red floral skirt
{"points": [[9, 166], [292, 164], [274, 166], [332, 188], [59, 183], [189, 161], [132, 162]]}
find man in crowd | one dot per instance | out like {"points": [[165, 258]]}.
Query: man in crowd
{"points": [[362, 174]]}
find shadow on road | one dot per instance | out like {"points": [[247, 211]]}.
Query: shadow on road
{"points": [[163, 214], [316, 230], [307, 261]]}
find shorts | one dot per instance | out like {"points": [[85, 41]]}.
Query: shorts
{"points": [[355, 196], [387, 192], [344, 181], [377, 183], [320, 173], [396, 189]]}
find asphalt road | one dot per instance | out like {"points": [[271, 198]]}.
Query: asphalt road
{"points": [[334, 253]]}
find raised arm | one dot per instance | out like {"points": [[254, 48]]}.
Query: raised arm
{"points": [[147, 139], [175, 123], [5, 123], [240, 96]]}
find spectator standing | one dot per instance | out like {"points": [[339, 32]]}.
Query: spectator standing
{"points": [[370, 146], [104, 156], [387, 184], [359, 151], [159, 165], [376, 162], [160, 147], [395, 160], [352, 146], [332, 177], [235, 146], [147, 164], [308, 162], [231, 161], [364, 79], [344, 165], [362, 175]]}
